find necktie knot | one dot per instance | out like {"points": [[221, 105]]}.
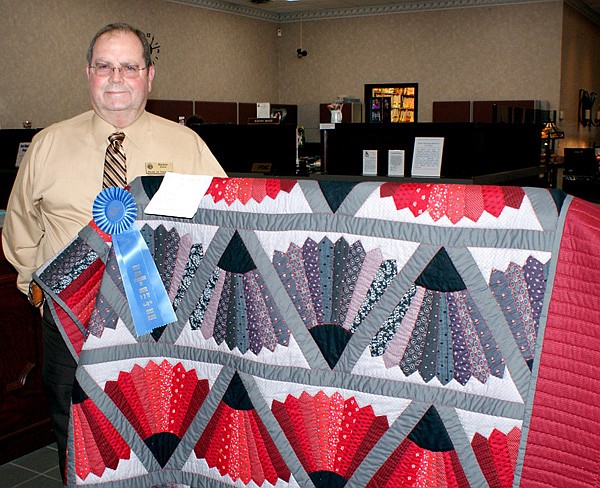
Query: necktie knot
{"points": [[116, 137]]}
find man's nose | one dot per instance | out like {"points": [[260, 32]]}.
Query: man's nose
{"points": [[116, 74]]}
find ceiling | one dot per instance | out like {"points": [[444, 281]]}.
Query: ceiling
{"points": [[287, 11]]}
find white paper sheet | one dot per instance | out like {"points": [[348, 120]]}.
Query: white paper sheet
{"points": [[263, 110], [179, 195], [369, 162], [396, 162], [427, 156]]}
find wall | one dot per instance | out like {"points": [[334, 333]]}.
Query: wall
{"points": [[580, 69], [204, 54], [482, 53]]}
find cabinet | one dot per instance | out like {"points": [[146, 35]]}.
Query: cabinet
{"points": [[469, 148], [24, 419]]}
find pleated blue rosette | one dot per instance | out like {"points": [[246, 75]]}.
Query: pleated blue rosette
{"points": [[114, 212]]}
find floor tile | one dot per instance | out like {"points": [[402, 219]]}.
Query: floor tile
{"points": [[53, 473], [12, 475], [38, 461], [41, 482], [38, 469]]}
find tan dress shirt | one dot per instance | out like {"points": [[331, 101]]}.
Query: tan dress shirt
{"points": [[61, 175]]}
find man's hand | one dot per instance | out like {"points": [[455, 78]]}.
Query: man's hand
{"points": [[35, 295]]}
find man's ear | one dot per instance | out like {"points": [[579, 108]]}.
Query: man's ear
{"points": [[151, 73]]}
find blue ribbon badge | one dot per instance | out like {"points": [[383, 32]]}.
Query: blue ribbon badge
{"points": [[114, 212]]}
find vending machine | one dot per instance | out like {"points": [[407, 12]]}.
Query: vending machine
{"points": [[391, 103]]}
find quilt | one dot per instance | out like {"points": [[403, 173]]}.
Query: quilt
{"points": [[340, 334]]}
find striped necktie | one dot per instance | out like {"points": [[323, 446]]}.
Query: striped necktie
{"points": [[115, 165]]}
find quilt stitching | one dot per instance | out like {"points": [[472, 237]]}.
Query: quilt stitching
{"points": [[316, 317]]}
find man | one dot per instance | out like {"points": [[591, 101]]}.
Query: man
{"points": [[64, 169]]}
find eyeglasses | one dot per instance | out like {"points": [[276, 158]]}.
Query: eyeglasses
{"points": [[106, 70]]}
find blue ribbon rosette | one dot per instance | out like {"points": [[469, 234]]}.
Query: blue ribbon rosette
{"points": [[114, 212]]}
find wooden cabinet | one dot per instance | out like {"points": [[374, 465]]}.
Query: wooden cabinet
{"points": [[24, 419]]}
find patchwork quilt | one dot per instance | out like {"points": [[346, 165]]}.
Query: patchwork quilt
{"points": [[333, 334]]}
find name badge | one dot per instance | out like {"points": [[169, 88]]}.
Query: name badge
{"points": [[153, 168]]}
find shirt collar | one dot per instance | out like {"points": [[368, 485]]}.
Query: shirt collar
{"points": [[134, 134]]}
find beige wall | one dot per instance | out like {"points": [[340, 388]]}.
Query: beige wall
{"points": [[580, 69], [482, 53], [507, 52], [205, 54]]}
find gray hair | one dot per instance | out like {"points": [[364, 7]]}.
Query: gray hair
{"points": [[122, 27]]}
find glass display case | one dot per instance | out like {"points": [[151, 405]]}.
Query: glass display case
{"points": [[391, 102]]}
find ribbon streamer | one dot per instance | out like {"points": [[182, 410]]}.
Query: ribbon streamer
{"points": [[114, 212]]}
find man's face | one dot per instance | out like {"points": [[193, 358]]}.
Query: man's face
{"points": [[118, 100]]}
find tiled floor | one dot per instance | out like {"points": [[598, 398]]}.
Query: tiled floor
{"points": [[38, 469]]}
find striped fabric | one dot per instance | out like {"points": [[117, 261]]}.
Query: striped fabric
{"points": [[115, 164]]}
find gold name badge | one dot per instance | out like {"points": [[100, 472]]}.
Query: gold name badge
{"points": [[158, 168]]}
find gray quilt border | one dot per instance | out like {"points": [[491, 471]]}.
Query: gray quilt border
{"points": [[536, 240]]}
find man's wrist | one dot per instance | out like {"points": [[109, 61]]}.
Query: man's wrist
{"points": [[35, 295]]}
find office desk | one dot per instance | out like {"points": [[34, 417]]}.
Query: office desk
{"points": [[586, 187]]}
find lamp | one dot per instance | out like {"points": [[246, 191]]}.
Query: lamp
{"points": [[550, 132]]}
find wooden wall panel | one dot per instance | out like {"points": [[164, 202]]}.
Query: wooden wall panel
{"points": [[483, 110], [171, 109], [248, 111], [451, 111], [217, 112]]}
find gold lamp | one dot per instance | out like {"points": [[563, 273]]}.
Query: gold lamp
{"points": [[550, 132]]}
